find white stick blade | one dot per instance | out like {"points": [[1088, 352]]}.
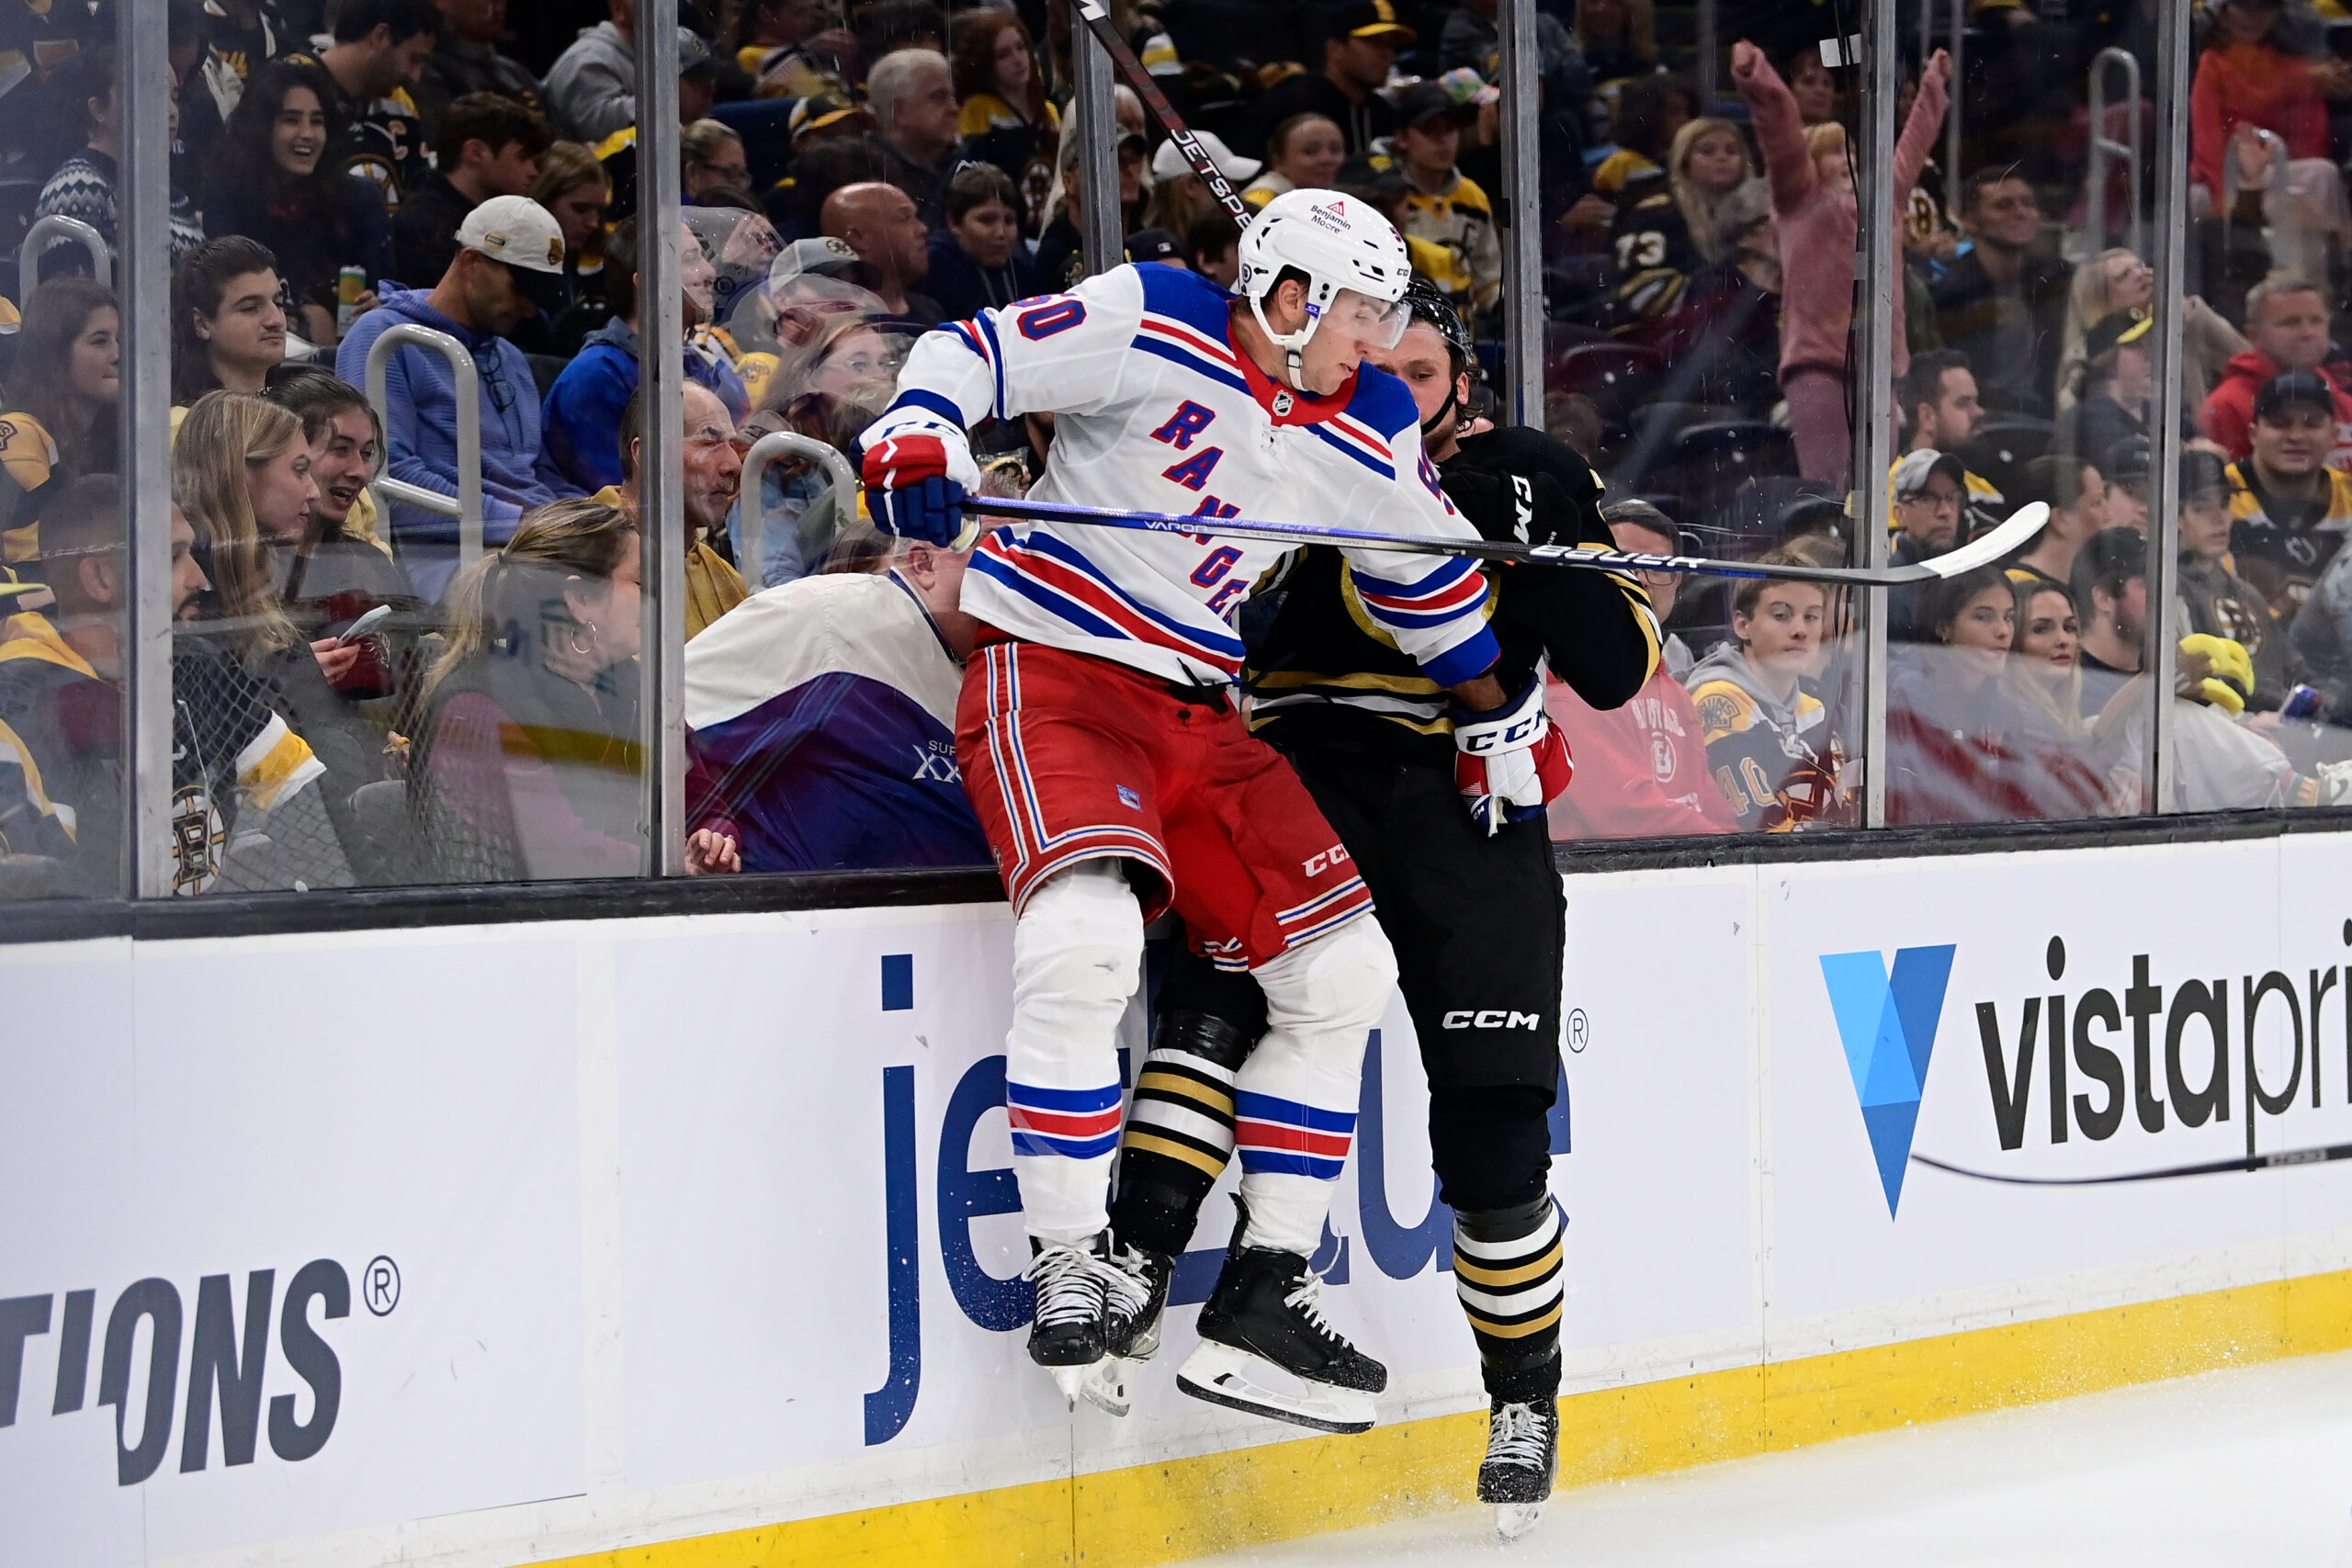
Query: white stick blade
{"points": [[2023, 524]]}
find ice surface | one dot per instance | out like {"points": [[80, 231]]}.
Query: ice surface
{"points": [[2244, 1467]]}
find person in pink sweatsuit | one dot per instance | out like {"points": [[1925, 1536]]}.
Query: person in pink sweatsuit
{"points": [[1814, 214]]}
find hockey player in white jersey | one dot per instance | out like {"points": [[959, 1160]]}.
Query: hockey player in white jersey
{"points": [[1100, 741]]}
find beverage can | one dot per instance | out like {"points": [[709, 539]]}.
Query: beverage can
{"points": [[349, 285], [2303, 702]]}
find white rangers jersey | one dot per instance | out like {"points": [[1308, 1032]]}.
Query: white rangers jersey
{"points": [[1156, 410]]}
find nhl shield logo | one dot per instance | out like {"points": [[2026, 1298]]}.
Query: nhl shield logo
{"points": [[1283, 404]]}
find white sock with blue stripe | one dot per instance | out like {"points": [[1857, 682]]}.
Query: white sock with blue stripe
{"points": [[1076, 955], [1294, 1105]]}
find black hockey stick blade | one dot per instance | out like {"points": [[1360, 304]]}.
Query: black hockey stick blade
{"points": [[2165, 1173], [1097, 16], [1983, 551]]}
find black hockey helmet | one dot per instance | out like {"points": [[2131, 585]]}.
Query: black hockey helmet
{"points": [[1430, 304]]}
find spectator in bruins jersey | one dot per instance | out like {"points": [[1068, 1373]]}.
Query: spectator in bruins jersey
{"points": [[1005, 118], [378, 54], [60, 425], [2289, 511], [234, 759], [227, 328], [281, 187], [1304, 153], [2215, 600], [1768, 740], [1663, 237], [1641, 768], [1443, 207]]}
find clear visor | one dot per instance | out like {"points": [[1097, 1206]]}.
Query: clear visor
{"points": [[1375, 323]]}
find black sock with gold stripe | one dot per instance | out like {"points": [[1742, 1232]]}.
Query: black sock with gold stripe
{"points": [[1179, 1135], [1507, 1273]]}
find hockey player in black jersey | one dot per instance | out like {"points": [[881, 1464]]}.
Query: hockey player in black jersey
{"points": [[1474, 912]]}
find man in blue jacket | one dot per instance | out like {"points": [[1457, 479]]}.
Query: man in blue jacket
{"points": [[509, 266], [584, 407]]}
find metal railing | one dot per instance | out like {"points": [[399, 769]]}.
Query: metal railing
{"points": [[767, 450], [2105, 147], [56, 226], [467, 507]]}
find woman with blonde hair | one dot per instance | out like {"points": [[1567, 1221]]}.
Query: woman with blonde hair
{"points": [[2117, 279], [1706, 161], [241, 472], [528, 757], [234, 449]]}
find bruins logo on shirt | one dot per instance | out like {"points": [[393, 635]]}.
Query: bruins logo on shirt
{"points": [[1721, 710], [2240, 623]]}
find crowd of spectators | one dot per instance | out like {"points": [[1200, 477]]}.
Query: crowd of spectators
{"points": [[357, 704]]}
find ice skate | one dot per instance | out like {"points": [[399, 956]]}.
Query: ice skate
{"points": [[1522, 1456], [1133, 1301], [1266, 1348], [1082, 1300]]}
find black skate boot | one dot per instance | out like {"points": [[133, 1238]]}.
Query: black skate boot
{"points": [[1131, 1327], [1266, 1348], [1522, 1456], [1072, 1330]]}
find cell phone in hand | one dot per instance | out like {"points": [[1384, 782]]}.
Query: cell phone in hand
{"points": [[363, 625]]}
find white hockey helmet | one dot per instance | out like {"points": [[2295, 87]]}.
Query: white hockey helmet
{"points": [[1352, 256]]}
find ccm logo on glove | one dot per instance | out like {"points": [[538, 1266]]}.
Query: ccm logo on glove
{"points": [[1492, 1018], [1316, 864]]}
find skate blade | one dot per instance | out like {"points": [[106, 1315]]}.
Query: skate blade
{"points": [[1513, 1520], [1238, 1380], [1108, 1385], [1071, 1381]]}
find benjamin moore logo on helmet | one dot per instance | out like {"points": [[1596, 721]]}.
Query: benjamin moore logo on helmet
{"points": [[1888, 1020]]}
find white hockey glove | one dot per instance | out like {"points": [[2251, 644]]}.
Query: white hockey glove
{"points": [[1510, 763]]}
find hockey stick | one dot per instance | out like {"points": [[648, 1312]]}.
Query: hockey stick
{"points": [[2209, 1167], [2022, 525], [1098, 21]]}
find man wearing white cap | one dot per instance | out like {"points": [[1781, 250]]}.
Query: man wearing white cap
{"points": [[509, 266], [1186, 191]]}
